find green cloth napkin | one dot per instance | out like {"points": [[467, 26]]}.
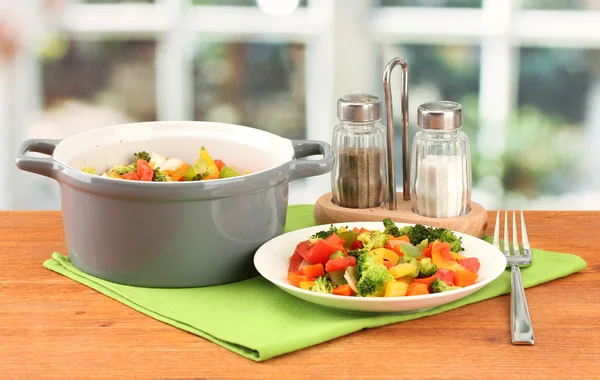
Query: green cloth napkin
{"points": [[259, 321]]}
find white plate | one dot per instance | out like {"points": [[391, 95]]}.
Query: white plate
{"points": [[272, 261]]}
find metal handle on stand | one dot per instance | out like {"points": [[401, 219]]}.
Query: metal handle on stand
{"points": [[390, 131]]}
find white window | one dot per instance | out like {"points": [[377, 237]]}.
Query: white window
{"points": [[525, 71]]}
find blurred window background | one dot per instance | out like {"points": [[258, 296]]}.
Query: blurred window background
{"points": [[526, 72]]}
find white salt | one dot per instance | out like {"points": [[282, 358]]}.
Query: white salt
{"points": [[441, 187]]}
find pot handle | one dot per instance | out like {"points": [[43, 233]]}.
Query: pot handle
{"points": [[308, 168], [38, 165]]}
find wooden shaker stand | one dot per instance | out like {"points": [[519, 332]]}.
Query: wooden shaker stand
{"points": [[325, 212]]}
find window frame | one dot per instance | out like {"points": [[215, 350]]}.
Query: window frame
{"points": [[499, 27]]}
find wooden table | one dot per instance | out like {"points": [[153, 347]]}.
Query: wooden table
{"points": [[54, 328]]}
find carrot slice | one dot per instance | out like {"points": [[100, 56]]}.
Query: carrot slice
{"points": [[343, 290], [400, 238], [316, 270], [465, 278], [296, 277], [416, 289], [179, 173]]}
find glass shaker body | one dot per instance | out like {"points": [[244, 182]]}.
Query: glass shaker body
{"points": [[441, 169], [359, 174]]}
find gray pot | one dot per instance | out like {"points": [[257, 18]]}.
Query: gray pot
{"points": [[173, 234]]}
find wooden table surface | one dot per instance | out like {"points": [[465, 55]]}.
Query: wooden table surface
{"points": [[54, 328]]}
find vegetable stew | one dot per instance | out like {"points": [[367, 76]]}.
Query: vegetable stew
{"points": [[395, 262]]}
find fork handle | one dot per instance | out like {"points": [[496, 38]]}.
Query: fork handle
{"points": [[520, 321]]}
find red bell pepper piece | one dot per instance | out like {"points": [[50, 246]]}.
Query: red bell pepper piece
{"points": [[340, 263], [297, 257], [320, 251]]}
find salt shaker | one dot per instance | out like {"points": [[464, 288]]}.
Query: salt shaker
{"points": [[441, 162], [359, 174]]}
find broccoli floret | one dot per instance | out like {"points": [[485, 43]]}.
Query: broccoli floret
{"points": [[427, 268], [363, 261], [357, 252], [438, 286], [372, 240], [122, 169], [143, 155], [159, 176], [391, 228], [372, 276], [373, 281], [418, 233], [325, 234], [447, 236], [322, 285], [197, 177]]}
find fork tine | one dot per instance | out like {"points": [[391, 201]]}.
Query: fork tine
{"points": [[506, 239], [497, 231], [524, 237], [516, 250]]}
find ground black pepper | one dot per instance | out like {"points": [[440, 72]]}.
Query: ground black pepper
{"points": [[360, 180]]}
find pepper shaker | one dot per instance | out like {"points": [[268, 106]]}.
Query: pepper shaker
{"points": [[359, 174], [441, 162]]}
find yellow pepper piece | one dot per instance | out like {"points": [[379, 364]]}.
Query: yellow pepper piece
{"points": [[406, 279], [213, 171], [453, 267], [89, 170], [457, 256], [113, 174], [377, 255], [402, 270], [387, 254], [395, 289], [306, 285]]}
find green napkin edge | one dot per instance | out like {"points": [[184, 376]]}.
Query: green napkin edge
{"points": [[303, 217]]}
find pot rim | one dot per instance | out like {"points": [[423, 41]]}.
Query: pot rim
{"points": [[293, 168], [175, 124]]}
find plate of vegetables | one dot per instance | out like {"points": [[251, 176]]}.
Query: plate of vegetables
{"points": [[379, 267], [154, 167]]}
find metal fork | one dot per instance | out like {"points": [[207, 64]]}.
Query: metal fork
{"points": [[520, 321]]}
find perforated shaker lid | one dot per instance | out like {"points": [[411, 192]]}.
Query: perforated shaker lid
{"points": [[440, 115], [359, 108]]}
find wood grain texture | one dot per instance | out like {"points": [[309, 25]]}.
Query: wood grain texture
{"points": [[54, 328], [474, 223]]}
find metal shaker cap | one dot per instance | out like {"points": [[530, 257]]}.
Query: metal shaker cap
{"points": [[440, 115], [359, 108]]}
